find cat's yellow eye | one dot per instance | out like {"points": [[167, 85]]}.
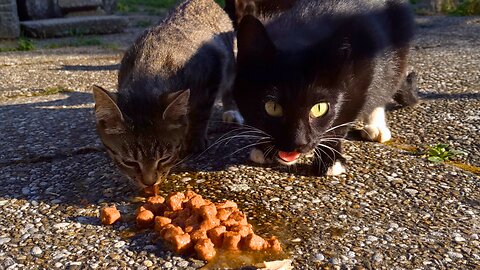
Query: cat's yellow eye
{"points": [[273, 109], [319, 109]]}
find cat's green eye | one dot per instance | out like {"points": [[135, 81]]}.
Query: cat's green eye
{"points": [[319, 109], [273, 109]]}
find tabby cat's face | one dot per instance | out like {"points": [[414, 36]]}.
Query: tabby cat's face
{"points": [[144, 142]]}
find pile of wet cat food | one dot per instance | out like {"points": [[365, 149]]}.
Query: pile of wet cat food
{"points": [[187, 222]]}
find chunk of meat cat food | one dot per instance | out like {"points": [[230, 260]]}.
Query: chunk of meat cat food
{"points": [[175, 200], [237, 218], [196, 202], [169, 231], [274, 244], [155, 200], [180, 242], [145, 219], [226, 204], [255, 242], [231, 240], [205, 249], [198, 235], [216, 235], [209, 223], [207, 211], [109, 215], [243, 230], [224, 213], [161, 222]]}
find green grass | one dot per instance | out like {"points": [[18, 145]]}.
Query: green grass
{"points": [[466, 8], [53, 91], [77, 42], [23, 44], [442, 152]]}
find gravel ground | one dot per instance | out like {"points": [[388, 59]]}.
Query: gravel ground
{"points": [[392, 210]]}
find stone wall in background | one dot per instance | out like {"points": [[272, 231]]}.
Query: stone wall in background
{"points": [[9, 26]]}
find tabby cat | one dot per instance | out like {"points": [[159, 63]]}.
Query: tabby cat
{"points": [[305, 76], [167, 85]]}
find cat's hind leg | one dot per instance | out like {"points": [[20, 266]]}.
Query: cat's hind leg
{"points": [[407, 94], [375, 126]]}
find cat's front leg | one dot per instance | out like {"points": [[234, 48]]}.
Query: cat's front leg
{"points": [[328, 159], [375, 128]]}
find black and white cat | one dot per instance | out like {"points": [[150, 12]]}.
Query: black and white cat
{"points": [[305, 76]]}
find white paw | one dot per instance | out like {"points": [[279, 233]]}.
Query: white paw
{"points": [[336, 169], [256, 155], [232, 117], [376, 133]]}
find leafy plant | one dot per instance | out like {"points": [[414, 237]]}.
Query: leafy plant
{"points": [[23, 44], [441, 153], [467, 7]]}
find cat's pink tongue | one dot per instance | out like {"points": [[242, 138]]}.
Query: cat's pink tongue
{"points": [[288, 156]]}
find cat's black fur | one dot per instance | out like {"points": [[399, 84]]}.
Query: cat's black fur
{"points": [[349, 53], [237, 9]]}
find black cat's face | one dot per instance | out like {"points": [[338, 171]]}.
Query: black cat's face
{"points": [[286, 94]]}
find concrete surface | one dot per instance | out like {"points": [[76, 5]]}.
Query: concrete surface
{"points": [[392, 210], [83, 25], [9, 24]]}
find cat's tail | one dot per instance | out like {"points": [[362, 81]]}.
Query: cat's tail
{"points": [[407, 94]]}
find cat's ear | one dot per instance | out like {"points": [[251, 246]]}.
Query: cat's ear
{"points": [[254, 45], [108, 116], [177, 105]]}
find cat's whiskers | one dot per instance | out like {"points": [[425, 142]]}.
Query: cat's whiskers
{"points": [[319, 155], [339, 126], [331, 150], [250, 145]]}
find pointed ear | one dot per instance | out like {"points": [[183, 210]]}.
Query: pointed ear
{"points": [[108, 116], [177, 105], [254, 45]]}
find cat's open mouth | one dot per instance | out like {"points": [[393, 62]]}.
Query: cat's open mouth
{"points": [[288, 158]]}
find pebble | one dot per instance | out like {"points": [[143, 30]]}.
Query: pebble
{"points": [[474, 236], [454, 255], [25, 191], [36, 251], [319, 257], [372, 238], [377, 257], [119, 244], [168, 265], [4, 240], [411, 191], [288, 188], [182, 264], [58, 264], [459, 239], [61, 225], [148, 263]]}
